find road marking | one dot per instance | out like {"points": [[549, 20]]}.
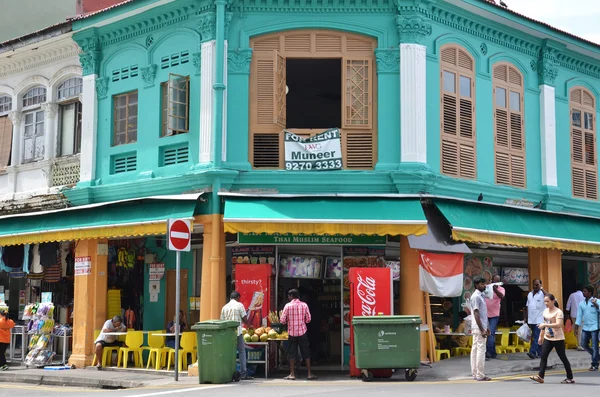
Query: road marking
{"points": [[161, 393]]}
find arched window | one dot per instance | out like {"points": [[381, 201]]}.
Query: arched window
{"points": [[70, 88], [458, 113], [583, 143], [509, 131], [34, 96], [5, 103]]}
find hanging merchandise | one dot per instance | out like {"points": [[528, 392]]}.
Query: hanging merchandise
{"points": [[13, 256], [122, 257], [48, 253], [40, 329], [130, 318]]}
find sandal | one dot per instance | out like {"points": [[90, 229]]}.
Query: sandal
{"points": [[484, 379], [290, 377], [537, 379], [567, 381], [312, 377]]}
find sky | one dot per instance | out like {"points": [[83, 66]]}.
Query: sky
{"points": [[579, 17]]}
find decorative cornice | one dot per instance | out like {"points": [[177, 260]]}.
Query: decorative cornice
{"points": [[228, 19], [197, 61], [148, 74], [207, 24], [33, 59], [388, 60], [102, 87], [50, 109], [546, 66], [413, 28], [238, 61], [91, 54], [323, 6], [15, 117]]}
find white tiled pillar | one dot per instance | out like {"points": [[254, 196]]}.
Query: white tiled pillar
{"points": [[548, 135], [413, 105], [16, 118], [50, 129], [89, 126]]}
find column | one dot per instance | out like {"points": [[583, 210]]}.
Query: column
{"points": [[412, 300], [206, 277], [50, 129], [89, 311], [548, 135], [413, 103], [546, 264], [16, 118], [207, 80], [89, 126], [212, 288]]}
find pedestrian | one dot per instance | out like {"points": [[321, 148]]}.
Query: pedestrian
{"points": [[6, 325], [103, 340], [479, 329], [587, 313], [493, 312], [296, 315], [572, 307], [170, 341], [235, 311], [552, 336], [534, 317]]}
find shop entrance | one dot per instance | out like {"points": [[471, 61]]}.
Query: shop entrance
{"points": [[171, 291]]}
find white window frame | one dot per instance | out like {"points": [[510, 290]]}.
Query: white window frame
{"points": [[73, 86], [37, 94], [34, 136], [5, 104]]}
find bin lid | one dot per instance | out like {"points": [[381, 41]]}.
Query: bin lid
{"points": [[386, 320], [215, 324]]}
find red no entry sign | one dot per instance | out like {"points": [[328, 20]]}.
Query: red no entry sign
{"points": [[179, 235]]}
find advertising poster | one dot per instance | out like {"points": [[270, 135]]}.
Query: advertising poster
{"points": [[300, 266], [260, 254], [321, 152], [253, 282]]}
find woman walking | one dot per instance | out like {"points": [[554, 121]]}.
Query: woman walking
{"points": [[5, 326], [553, 337]]}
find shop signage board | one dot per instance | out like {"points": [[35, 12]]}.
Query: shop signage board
{"points": [[309, 239], [321, 152], [156, 271], [83, 266]]}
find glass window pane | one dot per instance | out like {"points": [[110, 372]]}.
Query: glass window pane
{"points": [[465, 86], [28, 150], [39, 116], [500, 97], [67, 129], [589, 121], [29, 118], [133, 98], [576, 117], [132, 135], [120, 126], [39, 129], [29, 130], [515, 101], [449, 82], [121, 101], [39, 147]]}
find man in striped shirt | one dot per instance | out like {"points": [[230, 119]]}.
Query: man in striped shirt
{"points": [[235, 311], [296, 315]]}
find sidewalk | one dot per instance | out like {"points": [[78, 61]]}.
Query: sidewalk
{"points": [[455, 368]]}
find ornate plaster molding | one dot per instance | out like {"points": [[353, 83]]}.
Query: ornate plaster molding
{"points": [[388, 60], [74, 70], [50, 109], [197, 61], [207, 24], [15, 117], [33, 59], [30, 82], [238, 61], [148, 75], [546, 66], [102, 87], [413, 29], [324, 6]]}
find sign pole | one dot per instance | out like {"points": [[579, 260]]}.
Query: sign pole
{"points": [[177, 308]]}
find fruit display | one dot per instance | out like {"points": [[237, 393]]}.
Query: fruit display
{"points": [[274, 316], [262, 334]]}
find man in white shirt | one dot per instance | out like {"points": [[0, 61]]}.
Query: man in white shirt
{"points": [[235, 311], [480, 330], [103, 340], [572, 304], [534, 316]]}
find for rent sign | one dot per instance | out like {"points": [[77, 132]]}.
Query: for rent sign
{"points": [[322, 152]]}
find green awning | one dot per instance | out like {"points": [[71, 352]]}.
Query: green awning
{"points": [[128, 218], [331, 216], [480, 223]]}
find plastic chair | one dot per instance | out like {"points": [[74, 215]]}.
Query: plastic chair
{"points": [[505, 347], [106, 352], [463, 351], [518, 344], [441, 352], [134, 341], [157, 351], [188, 345]]}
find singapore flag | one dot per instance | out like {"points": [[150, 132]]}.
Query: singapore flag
{"points": [[441, 274]]}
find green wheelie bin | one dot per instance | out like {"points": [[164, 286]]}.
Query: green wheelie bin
{"points": [[387, 342], [217, 348]]}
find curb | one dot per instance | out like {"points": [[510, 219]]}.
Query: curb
{"points": [[7, 377]]}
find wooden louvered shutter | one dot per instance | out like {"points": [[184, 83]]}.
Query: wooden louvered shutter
{"points": [[268, 85], [357, 112], [6, 128], [509, 126], [583, 144], [458, 153]]}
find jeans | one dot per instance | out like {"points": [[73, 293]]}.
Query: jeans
{"points": [[478, 355], [3, 347], [547, 347], [491, 340], [241, 348], [535, 348], [585, 342]]}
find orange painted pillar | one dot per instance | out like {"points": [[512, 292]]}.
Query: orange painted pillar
{"points": [[214, 274], [412, 300], [206, 280], [222, 281], [89, 310], [546, 264]]}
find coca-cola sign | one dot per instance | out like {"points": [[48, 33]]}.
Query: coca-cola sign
{"points": [[365, 291]]}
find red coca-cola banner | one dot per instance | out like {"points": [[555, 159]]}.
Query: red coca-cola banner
{"points": [[371, 291]]}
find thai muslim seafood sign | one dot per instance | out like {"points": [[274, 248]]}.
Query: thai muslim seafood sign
{"points": [[322, 152]]}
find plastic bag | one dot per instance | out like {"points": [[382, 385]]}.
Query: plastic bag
{"points": [[524, 333], [568, 325]]}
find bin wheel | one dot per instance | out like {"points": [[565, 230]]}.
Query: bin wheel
{"points": [[410, 374], [366, 375], [236, 376]]}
